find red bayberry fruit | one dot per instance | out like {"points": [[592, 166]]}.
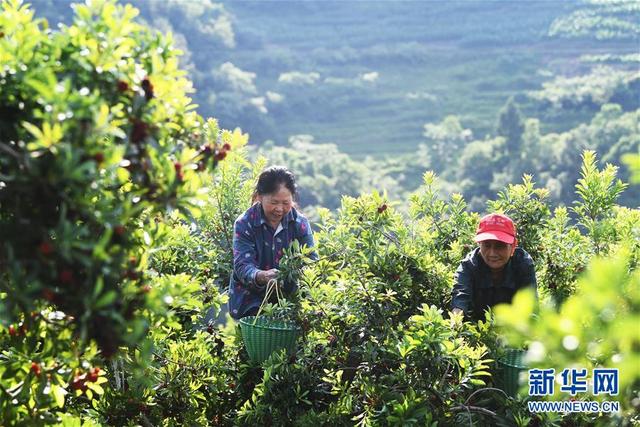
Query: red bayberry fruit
{"points": [[220, 155], [119, 230], [45, 248], [382, 208], [131, 274], [12, 331], [201, 166], [98, 157], [48, 294], [78, 382], [35, 368], [93, 374], [148, 88], [66, 276], [140, 131], [226, 147], [122, 86], [177, 166], [145, 289]]}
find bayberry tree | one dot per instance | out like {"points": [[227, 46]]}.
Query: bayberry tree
{"points": [[98, 140]]}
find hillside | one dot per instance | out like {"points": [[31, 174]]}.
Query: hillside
{"points": [[368, 75], [430, 59], [404, 87]]}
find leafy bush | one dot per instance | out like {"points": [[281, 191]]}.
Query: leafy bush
{"points": [[99, 140], [596, 327], [598, 192], [527, 206]]}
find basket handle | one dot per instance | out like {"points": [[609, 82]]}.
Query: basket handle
{"points": [[271, 285]]}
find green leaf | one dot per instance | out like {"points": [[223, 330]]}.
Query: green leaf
{"points": [[45, 90], [96, 388], [33, 130], [106, 299], [99, 285], [58, 394]]}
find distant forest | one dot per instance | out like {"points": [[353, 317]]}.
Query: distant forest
{"points": [[361, 95]]}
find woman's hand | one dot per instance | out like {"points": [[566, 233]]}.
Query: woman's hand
{"points": [[263, 276]]}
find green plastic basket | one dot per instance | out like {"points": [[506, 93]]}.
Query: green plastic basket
{"points": [[266, 336], [509, 368]]}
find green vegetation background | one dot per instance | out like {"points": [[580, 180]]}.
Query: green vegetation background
{"points": [[404, 87]]}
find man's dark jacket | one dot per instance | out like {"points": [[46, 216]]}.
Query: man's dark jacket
{"points": [[473, 291]]}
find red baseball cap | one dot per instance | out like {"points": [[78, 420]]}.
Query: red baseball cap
{"points": [[496, 227]]}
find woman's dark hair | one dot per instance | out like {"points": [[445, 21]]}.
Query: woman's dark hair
{"points": [[272, 178]]}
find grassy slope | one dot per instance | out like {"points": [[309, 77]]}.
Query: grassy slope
{"points": [[471, 56]]}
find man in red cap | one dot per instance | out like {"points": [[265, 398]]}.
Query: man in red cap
{"points": [[493, 272]]}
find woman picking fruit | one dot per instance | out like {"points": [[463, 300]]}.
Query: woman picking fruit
{"points": [[260, 236]]}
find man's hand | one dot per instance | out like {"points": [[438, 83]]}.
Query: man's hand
{"points": [[263, 276], [457, 311]]}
